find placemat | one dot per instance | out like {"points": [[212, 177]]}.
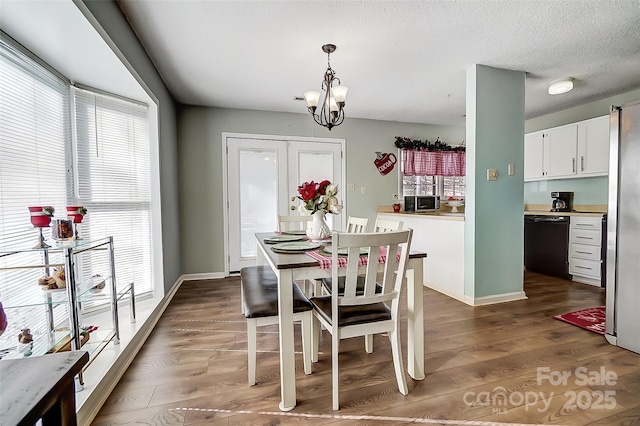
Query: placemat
{"points": [[325, 261]]}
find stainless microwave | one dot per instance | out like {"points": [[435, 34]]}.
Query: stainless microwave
{"points": [[421, 203]]}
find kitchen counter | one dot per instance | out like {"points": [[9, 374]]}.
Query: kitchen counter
{"points": [[439, 214]]}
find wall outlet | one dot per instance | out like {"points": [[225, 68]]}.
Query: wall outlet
{"points": [[492, 174], [351, 187], [363, 190]]}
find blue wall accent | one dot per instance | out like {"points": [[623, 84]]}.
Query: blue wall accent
{"points": [[493, 253], [591, 190]]}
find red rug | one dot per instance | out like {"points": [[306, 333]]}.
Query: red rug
{"points": [[591, 319]]}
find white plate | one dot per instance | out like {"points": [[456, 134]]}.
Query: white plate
{"points": [[295, 232], [295, 247], [343, 251], [282, 239]]}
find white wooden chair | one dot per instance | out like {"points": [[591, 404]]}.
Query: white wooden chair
{"points": [[290, 223], [356, 225], [260, 288], [373, 311], [386, 225]]}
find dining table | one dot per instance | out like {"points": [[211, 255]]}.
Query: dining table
{"points": [[300, 266]]}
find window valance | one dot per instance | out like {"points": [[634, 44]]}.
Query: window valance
{"points": [[416, 162]]}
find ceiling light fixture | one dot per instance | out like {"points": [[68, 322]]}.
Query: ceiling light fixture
{"points": [[332, 111], [558, 87]]}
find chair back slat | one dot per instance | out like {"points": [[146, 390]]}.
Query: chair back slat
{"points": [[357, 225], [392, 274], [386, 225], [291, 223]]}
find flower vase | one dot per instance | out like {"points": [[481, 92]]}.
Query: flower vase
{"points": [[318, 229]]}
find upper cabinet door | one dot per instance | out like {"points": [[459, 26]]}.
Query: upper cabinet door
{"points": [[533, 156], [593, 147], [560, 147]]}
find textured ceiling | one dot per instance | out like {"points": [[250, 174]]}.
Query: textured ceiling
{"points": [[402, 60]]}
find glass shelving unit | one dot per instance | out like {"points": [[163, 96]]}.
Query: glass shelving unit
{"points": [[40, 310]]}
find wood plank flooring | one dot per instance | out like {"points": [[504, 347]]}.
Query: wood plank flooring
{"points": [[481, 364]]}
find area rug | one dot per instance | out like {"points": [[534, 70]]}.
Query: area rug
{"points": [[591, 319]]}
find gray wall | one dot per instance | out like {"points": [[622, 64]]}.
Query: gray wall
{"points": [[110, 20], [200, 153]]}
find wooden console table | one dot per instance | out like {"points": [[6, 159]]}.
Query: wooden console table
{"points": [[40, 387]]}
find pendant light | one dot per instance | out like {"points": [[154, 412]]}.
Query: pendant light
{"points": [[333, 97]]}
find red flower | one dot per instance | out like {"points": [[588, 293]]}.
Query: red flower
{"points": [[308, 191], [322, 187]]}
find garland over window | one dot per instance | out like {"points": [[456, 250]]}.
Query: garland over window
{"points": [[431, 158]]}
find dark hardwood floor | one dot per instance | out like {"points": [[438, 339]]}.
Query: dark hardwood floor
{"points": [[482, 367]]}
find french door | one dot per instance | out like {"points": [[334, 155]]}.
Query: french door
{"points": [[263, 174]]}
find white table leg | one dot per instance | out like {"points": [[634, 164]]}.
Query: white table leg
{"points": [[287, 354], [415, 319]]}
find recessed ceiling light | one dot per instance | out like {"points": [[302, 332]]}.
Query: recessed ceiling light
{"points": [[558, 87]]}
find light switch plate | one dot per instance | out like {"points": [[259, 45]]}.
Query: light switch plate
{"points": [[511, 169], [351, 187], [492, 174]]}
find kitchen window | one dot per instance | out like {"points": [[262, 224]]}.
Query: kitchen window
{"points": [[418, 184]]}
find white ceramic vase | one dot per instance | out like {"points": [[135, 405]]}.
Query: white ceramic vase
{"points": [[318, 229]]}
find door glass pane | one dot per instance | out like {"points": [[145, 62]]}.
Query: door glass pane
{"points": [[258, 174]]}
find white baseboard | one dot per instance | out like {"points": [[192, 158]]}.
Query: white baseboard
{"points": [[459, 297], [495, 298], [90, 408], [202, 276]]}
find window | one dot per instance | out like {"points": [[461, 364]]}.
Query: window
{"points": [[35, 149], [103, 164], [113, 183], [444, 186]]}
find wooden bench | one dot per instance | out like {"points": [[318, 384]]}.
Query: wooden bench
{"points": [[259, 287]]}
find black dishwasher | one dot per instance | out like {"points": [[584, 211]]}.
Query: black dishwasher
{"points": [[546, 245]]}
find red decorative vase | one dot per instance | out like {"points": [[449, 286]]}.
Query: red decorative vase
{"points": [[73, 212], [38, 218]]}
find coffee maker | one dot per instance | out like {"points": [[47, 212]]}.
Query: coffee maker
{"points": [[562, 201]]}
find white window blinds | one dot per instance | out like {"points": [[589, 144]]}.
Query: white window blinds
{"points": [[35, 146], [112, 181]]}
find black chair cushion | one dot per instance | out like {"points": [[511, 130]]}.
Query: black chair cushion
{"points": [[352, 315], [260, 289], [327, 283]]}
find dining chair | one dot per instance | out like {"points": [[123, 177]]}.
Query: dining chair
{"points": [[260, 288], [385, 225], [290, 223], [356, 224], [372, 311]]}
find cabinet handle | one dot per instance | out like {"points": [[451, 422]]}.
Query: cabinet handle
{"points": [[573, 164], [591, 225], [583, 252], [582, 163], [582, 267]]}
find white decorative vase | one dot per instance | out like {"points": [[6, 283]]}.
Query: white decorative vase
{"points": [[318, 229]]}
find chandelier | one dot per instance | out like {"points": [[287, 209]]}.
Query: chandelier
{"points": [[331, 113]]}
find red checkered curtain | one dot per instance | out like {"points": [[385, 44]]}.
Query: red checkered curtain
{"points": [[433, 163], [453, 163]]}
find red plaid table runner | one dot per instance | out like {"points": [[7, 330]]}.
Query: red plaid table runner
{"points": [[325, 261]]}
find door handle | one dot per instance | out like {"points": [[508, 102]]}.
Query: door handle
{"points": [[293, 198], [293, 208], [573, 164], [582, 163]]}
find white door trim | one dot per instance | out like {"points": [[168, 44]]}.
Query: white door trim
{"points": [[225, 195]]}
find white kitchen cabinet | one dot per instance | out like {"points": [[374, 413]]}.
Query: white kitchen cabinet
{"points": [[534, 156], [593, 147], [574, 150], [560, 147], [585, 255]]}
